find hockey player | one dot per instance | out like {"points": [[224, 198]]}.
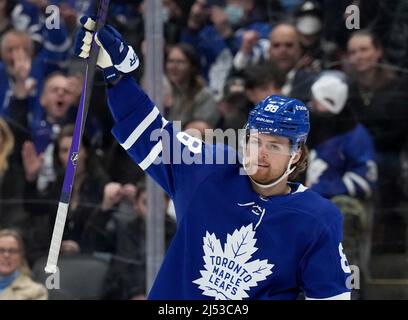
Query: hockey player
{"points": [[238, 236]]}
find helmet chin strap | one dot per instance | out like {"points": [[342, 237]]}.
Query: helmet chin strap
{"points": [[284, 175]]}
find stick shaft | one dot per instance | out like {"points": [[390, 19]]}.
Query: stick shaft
{"points": [[80, 120]]}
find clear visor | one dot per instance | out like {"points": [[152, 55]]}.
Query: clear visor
{"points": [[257, 141]]}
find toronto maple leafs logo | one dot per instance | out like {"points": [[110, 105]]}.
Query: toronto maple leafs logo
{"points": [[228, 273]]}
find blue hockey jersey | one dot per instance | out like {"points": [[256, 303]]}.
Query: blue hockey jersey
{"points": [[230, 243], [344, 165]]}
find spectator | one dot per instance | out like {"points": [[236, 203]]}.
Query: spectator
{"points": [[50, 43], [127, 16], [71, 10], [208, 42], [19, 62], [234, 105], [126, 278], [15, 279], [342, 155], [215, 30], [87, 193], [284, 49], [191, 97], [57, 100], [318, 53], [342, 165], [17, 51], [173, 21], [12, 214], [253, 49], [26, 16], [117, 207], [378, 97], [263, 80]]}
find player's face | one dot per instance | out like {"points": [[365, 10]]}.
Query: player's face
{"points": [[267, 157]]}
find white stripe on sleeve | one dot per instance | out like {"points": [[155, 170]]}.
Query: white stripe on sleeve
{"points": [[154, 153], [130, 141]]}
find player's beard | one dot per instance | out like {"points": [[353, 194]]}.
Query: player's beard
{"points": [[266, 175], [263, 172]]}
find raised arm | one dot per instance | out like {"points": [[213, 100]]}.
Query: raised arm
{"points": [[169, 156]]}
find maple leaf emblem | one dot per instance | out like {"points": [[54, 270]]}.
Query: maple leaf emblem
{"points": [[228, 273]]}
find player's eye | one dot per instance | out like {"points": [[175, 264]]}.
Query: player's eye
{"points": [[276, 147], [273, 146]]}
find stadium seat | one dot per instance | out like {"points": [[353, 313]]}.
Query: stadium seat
{"points": [[80, 277]]}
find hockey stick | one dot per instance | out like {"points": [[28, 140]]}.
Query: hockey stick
{"points": [[80, 120]]}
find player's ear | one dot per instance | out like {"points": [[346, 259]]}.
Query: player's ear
{"points": [[297, 156]]}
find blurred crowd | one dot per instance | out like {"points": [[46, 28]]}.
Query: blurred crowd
{"points": [[221, 58]]}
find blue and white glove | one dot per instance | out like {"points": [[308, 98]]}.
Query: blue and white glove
{"points": [[115, 56]]}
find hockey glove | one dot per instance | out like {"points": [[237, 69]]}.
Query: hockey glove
{"points": [[115, 56]]}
